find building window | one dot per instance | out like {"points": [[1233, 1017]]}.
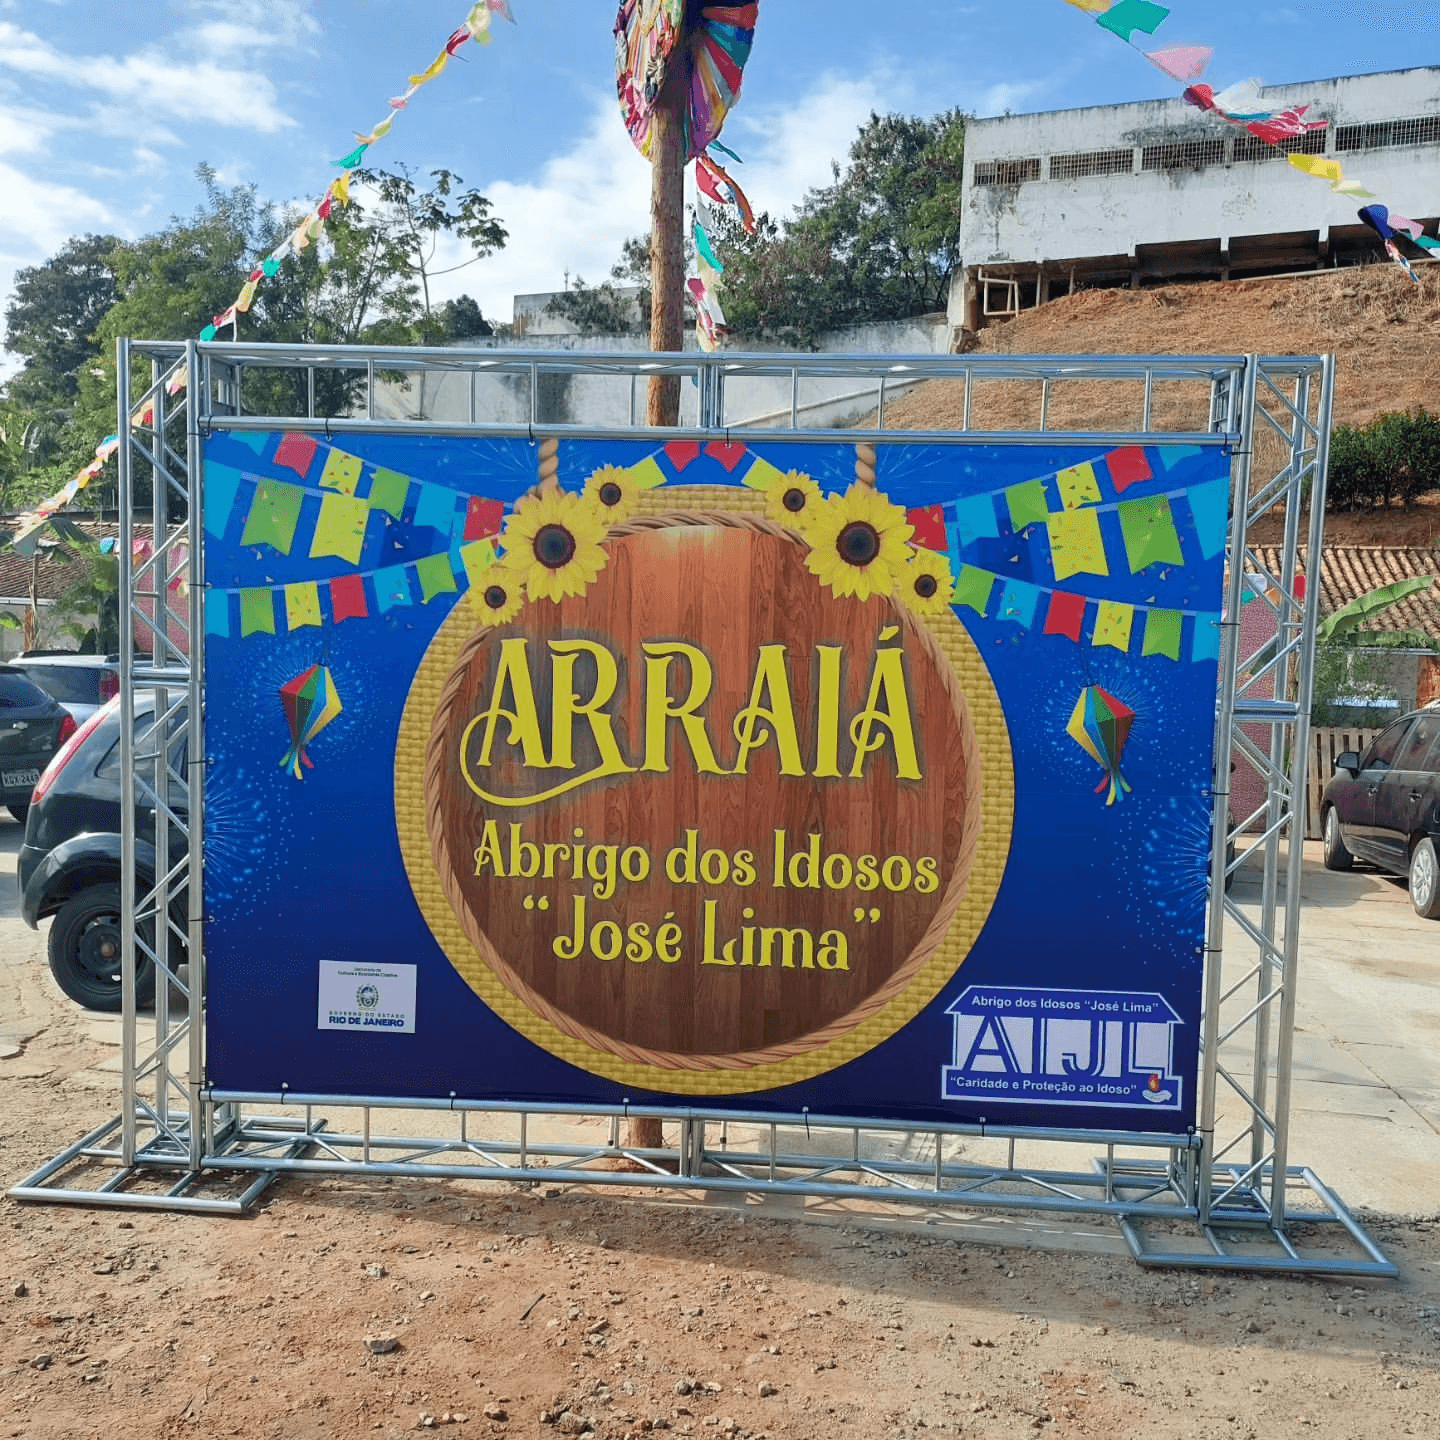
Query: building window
{"points": [[1421, 130], [1183, 155], [1006, 172], [1252, 147], [1092, 162]]}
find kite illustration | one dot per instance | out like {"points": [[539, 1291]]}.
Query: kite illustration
{"points": [[311, 702], [1100, 726]]}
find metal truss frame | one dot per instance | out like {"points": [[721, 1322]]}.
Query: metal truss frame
{"points": [[1224, 1196]]}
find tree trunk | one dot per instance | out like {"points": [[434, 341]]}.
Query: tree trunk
{"points": [[667, 237]]}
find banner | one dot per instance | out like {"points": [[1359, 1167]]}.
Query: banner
{"points": [[779, 777]]}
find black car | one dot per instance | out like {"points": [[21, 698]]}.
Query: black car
{"points": [[33, 726], [1383, 806], [69, 864], [81, 683]]}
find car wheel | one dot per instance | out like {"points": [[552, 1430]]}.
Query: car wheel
{"points": [[1337, 857], [1425, 880], [19, 812], [85, 951]]}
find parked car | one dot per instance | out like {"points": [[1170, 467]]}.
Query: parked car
{"points": [[1383, 806], [69, 863], [33, 726], [81, 683]]}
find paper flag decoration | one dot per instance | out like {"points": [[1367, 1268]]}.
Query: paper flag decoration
{"points": [[1182, 62], [311, 702], [1127, 16], [1100, 726]]}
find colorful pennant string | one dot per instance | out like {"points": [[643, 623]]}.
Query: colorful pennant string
{"points": [[476, 26], [1242, 104]]}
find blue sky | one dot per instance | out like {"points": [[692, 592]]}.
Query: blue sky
{"points": [[108, 105]]}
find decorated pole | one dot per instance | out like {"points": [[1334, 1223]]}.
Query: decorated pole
{"points": [[667, 236]]}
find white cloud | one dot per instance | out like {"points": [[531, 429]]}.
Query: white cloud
{"points": [[575, 215], [151, 81]]}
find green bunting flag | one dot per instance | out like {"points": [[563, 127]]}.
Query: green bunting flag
{"points": [[1149, 531], [274, 514]]}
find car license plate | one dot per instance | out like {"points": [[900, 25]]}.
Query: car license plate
{"points": [[12, 779]]}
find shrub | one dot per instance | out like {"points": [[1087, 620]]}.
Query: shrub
{"points": [[1395, 457]]}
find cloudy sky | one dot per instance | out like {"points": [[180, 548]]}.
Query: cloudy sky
{"points": [[109, 105]]}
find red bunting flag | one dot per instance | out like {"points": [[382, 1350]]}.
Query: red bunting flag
{"points": [[1127, 467], [682, 453], [347, 598], [482, 518], [295, 452], [1066, 615], [928, 523]]}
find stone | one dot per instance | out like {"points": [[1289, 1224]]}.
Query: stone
{"points": [[376, 1272], [41, 1361], [19, 1289], [767, 1389], [684, 1385], [382, 1344], [496, 1411]]}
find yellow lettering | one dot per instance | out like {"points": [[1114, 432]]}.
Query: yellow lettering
{"points": [[660, 708], [771, 684], [827, 713], [887, 679]]}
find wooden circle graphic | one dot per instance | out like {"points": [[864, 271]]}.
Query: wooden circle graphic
{"points": [[653, 827]]}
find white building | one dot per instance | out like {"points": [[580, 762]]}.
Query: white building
{"points": [[1124, 194]]}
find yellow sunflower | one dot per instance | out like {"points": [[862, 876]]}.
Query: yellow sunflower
{"points": [[552, 544], [613, 492], [858, 543], [793, 500], [926, 584], [499, 596]]}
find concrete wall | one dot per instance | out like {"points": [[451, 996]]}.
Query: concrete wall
{"points": [[1226, 201], [532, 317], [617, 400]]}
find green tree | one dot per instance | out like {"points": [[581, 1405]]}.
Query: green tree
{"points": [[878, 243], [612, 307], [52, 317]]}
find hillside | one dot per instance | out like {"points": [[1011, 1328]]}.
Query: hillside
{"points": [[1383, 330]]}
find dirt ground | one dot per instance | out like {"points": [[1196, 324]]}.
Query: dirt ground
{"points": [[536, 1312]]}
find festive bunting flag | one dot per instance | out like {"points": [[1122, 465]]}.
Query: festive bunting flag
{"points": [[1162, 633], [302, 605], [1210, 515], [347, 598], [1076, 545], [435, 576], [1127, 466], [1018, 602], [705, 250], [1127, 16], [388, 489], [257, 612], [1078, 486], [1182, 62], [392, 587], [928, 525], [1066, 615], [341, 472], [217, 614], [1027, 504], [274, 514], [1113, 625], [1205, 643], [295, 452], [340, 528], [1092, 7], [647, 475], [1149, 531], [972, 588], [221, 485], [482, 518], [761, 475], [1173, 455], [435, 509], [974, 518]]}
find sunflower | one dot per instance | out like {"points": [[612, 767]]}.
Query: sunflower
{"points": [[858, 543], [793, 500], [925, 583], [552, 543], [499, 596], [613, 492]]}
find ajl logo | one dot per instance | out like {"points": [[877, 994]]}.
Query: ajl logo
{"points": [[1063, 1047]]}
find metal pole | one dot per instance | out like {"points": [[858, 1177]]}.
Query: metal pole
{"points": [[126, 486]]}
